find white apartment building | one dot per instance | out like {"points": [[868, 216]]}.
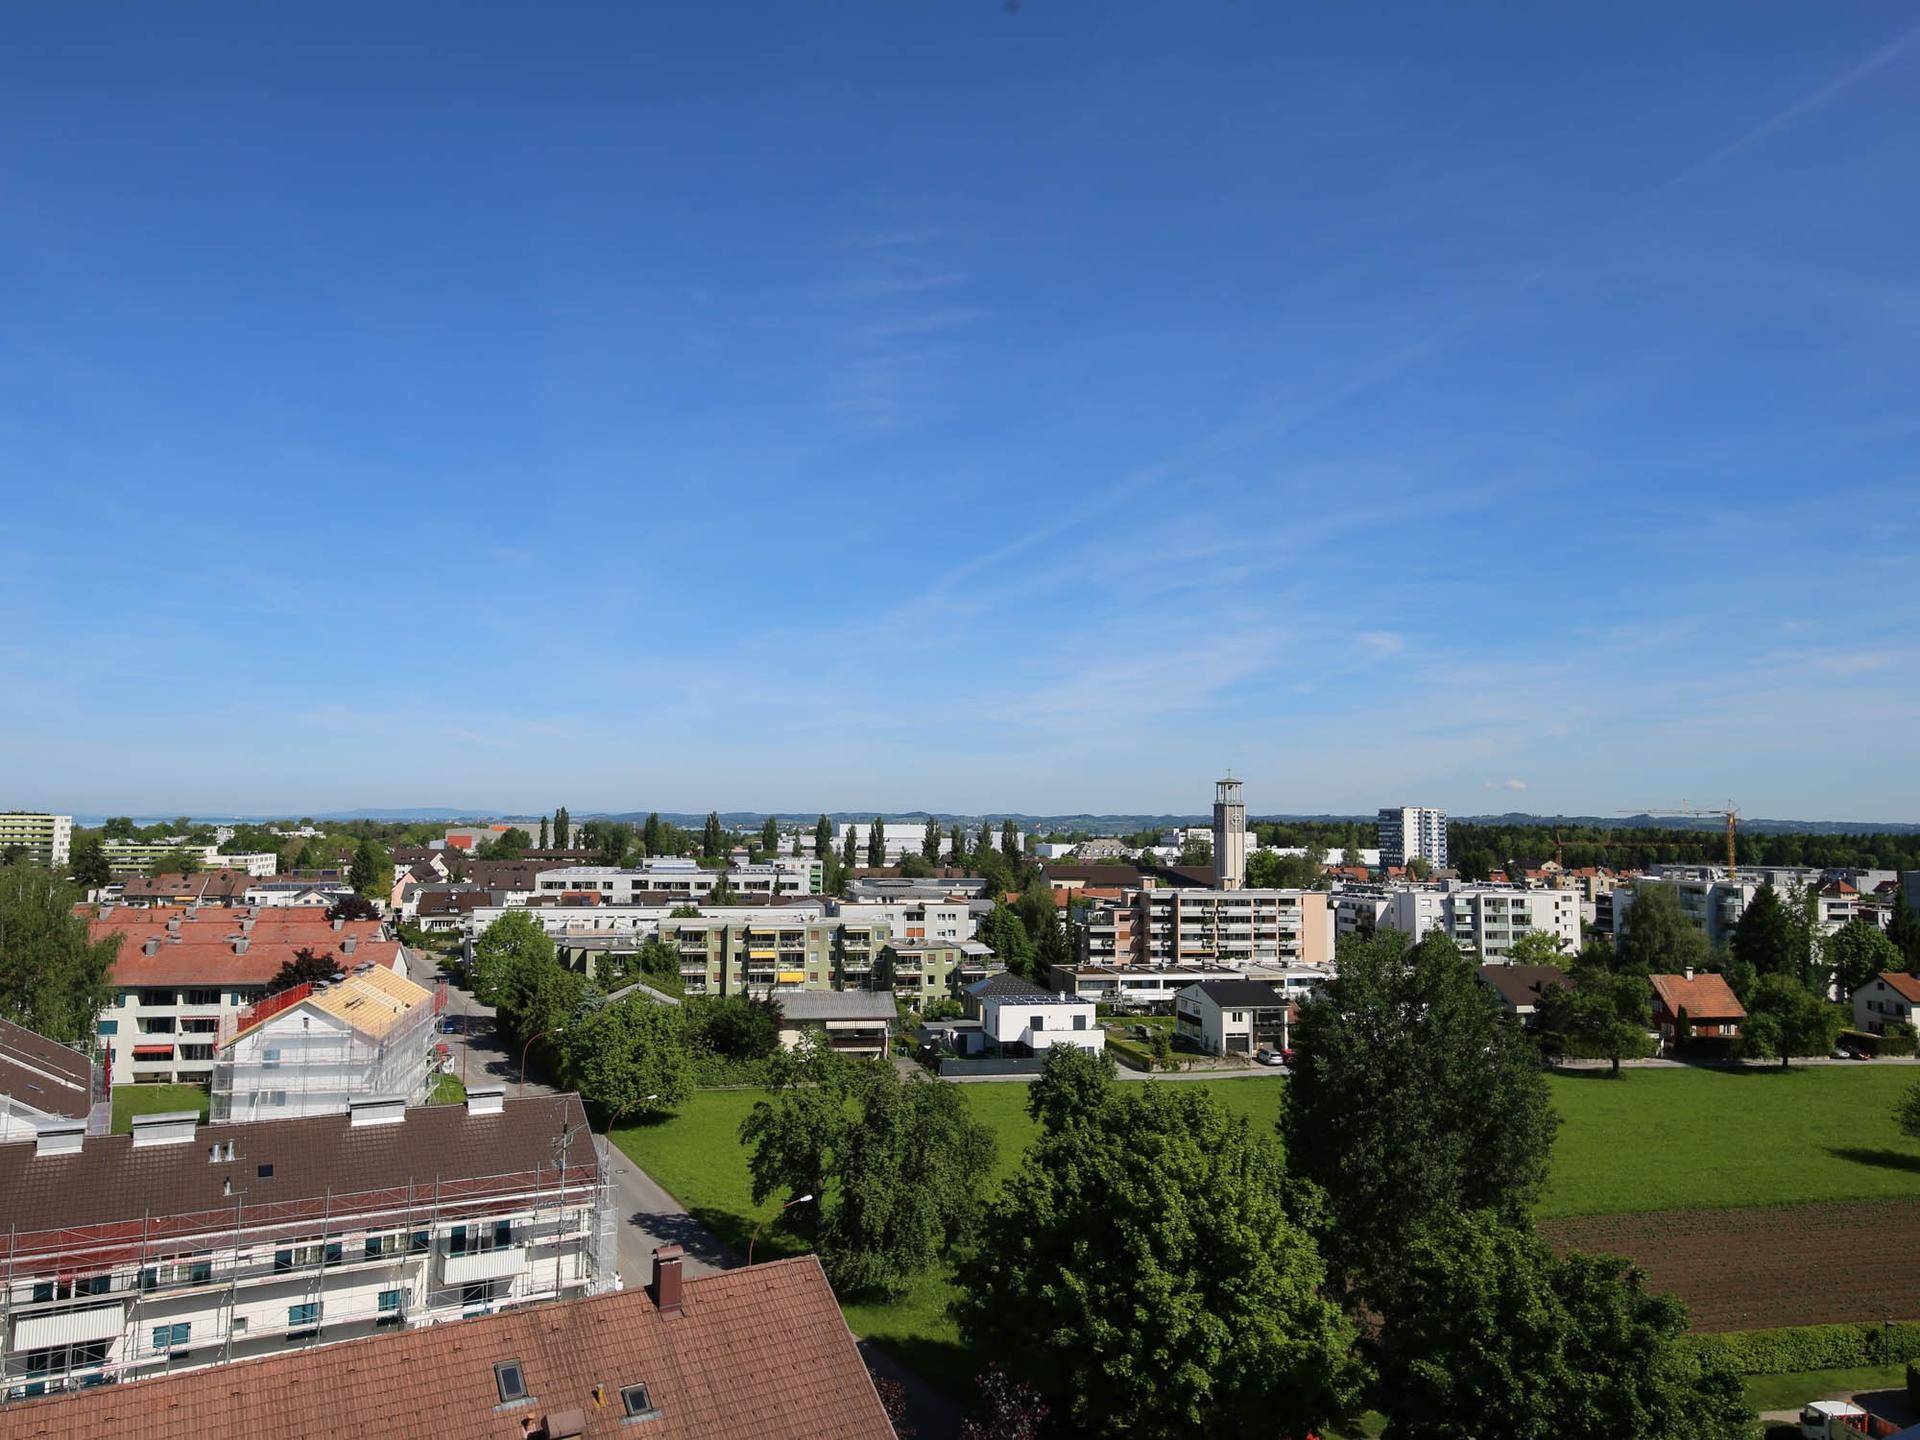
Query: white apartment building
{"points": [[906, 837], [1412, 832], [184, 1245], [911, 920], [680, 880], [1484, 919], [316, 1048], [136, 857], [1225, 927], [1018, 1017], [46, 839]]}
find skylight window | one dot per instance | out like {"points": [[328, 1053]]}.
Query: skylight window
{"points": [[637, 1403], [511, 1380]]}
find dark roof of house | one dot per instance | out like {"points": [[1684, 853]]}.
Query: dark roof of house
{"points": [[755, 1352], [1094, 874], [1005, 985], [836, 1004], [108, 1180], [506, 874], [1242, 994], [44, 1075], [1523, 984]]}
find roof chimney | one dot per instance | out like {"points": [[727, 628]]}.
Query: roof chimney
{"points": [[1689, 972], [666, 1279], [377, 1110], [240, 944], [486, 1100], [346, 945], [172, 1127], [564, 1424], [338, 922], [152, 947], [59, 1137]]}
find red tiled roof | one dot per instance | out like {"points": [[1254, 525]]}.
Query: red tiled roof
{"points": [[1706, 997], [758, 1353], [214, 962], [1906, 986]]}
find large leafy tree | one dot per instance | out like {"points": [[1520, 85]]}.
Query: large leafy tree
{"points": [[628, 1058], [1785, 1019], [1410, 1098], [1494, 1336], [562, 828], [896, 1167], [53, 979], [1660, 939], [1140, 1274], [514, 943], [1857, 952], [1600, 1013], [1763, 940], [1002, 931], [88, 863]]}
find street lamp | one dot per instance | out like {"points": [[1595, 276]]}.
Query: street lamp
{"points": [[797, 1200], [537, 1035]]}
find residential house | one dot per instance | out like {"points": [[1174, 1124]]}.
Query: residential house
{"points": [[853, 1022], [1517, 989], [1888, 999], [1017, 1017], [183, 1245], [315, 1048], [1233, 1017], [1696, 1003]]}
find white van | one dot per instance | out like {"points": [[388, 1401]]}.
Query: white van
{"points": [[1826, 1420]]}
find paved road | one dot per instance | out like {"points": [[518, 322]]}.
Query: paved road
{"points": [[651, 1217]]}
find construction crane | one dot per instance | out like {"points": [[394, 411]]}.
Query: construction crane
{"points": [[1729, 812]]}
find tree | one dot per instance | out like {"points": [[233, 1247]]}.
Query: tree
{"points": [[957, 846], [1073, 1089], [180, 862], [562, 828], [307, 967], [1857, 952], [1494, 1336], [545, 833], [353, 907], [1140, 1273], [1599, 1013], [986, 836], [1763, 938], [848, 855], [1001, 931], [713, 840], [371, 873], [896, 1168], [1907, 1113], [1476, 865], [1410, 1098], [1785, 1019], [1198, 850], [1010, 844], [735, 1027], [650, 836], [512, 943], [629, 1057], [88, 863], [770, 837], [822, 837], [612, 841], [510, 844], [877, 843], [930, 843], [53, 978], [1418, 868], [1903, 929], [1004, 1409], [1660, 939], [1268, 871]]}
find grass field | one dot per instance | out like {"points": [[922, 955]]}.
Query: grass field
{"points": [[447, 1090], [132, 1100], [1789, 1392], [1658, 1139]]}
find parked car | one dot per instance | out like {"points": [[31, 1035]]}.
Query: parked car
{"points": [[1265, 1056]]}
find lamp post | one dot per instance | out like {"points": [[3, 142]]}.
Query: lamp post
{"points": [[537, 1035], [797, 1200]]}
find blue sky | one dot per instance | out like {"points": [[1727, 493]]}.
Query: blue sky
{"points": [[960, 406]]}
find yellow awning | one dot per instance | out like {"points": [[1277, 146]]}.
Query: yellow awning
{"points": [[790, 977], [762, 954]]}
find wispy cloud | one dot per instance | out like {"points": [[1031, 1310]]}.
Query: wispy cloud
{"points": [[1504, 785], [1381, 643]]}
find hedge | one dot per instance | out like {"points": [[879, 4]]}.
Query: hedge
{"points": [[1811, 1347], [1891, 1043]]}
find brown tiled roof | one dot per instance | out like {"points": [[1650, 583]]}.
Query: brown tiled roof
{"points": [[109, 1181], [1523, 984], [1906, 986], [759, 1353], [1108, 875], [216, 962], [1705, 997], [43, 1074]]}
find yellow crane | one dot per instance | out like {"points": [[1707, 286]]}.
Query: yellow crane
{"points": [[1729, 812]]}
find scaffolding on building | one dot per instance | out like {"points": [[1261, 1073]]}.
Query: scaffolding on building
{"points": [[553, 1213]]}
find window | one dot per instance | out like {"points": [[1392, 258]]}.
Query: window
{"points": [[637, 1403], [392, 1305], [266, 1171], [203, 997], [510, 1380], [171, 1337], [1079, 1022], [378, 1245], [270, 1058], [294, 1257], [303, 1320], [109, 1027]]}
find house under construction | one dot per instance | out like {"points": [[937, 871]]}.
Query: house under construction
{"points": [[314, 1048]]}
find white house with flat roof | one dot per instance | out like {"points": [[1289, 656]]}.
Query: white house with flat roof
{"points": [[1018, 1017]]}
